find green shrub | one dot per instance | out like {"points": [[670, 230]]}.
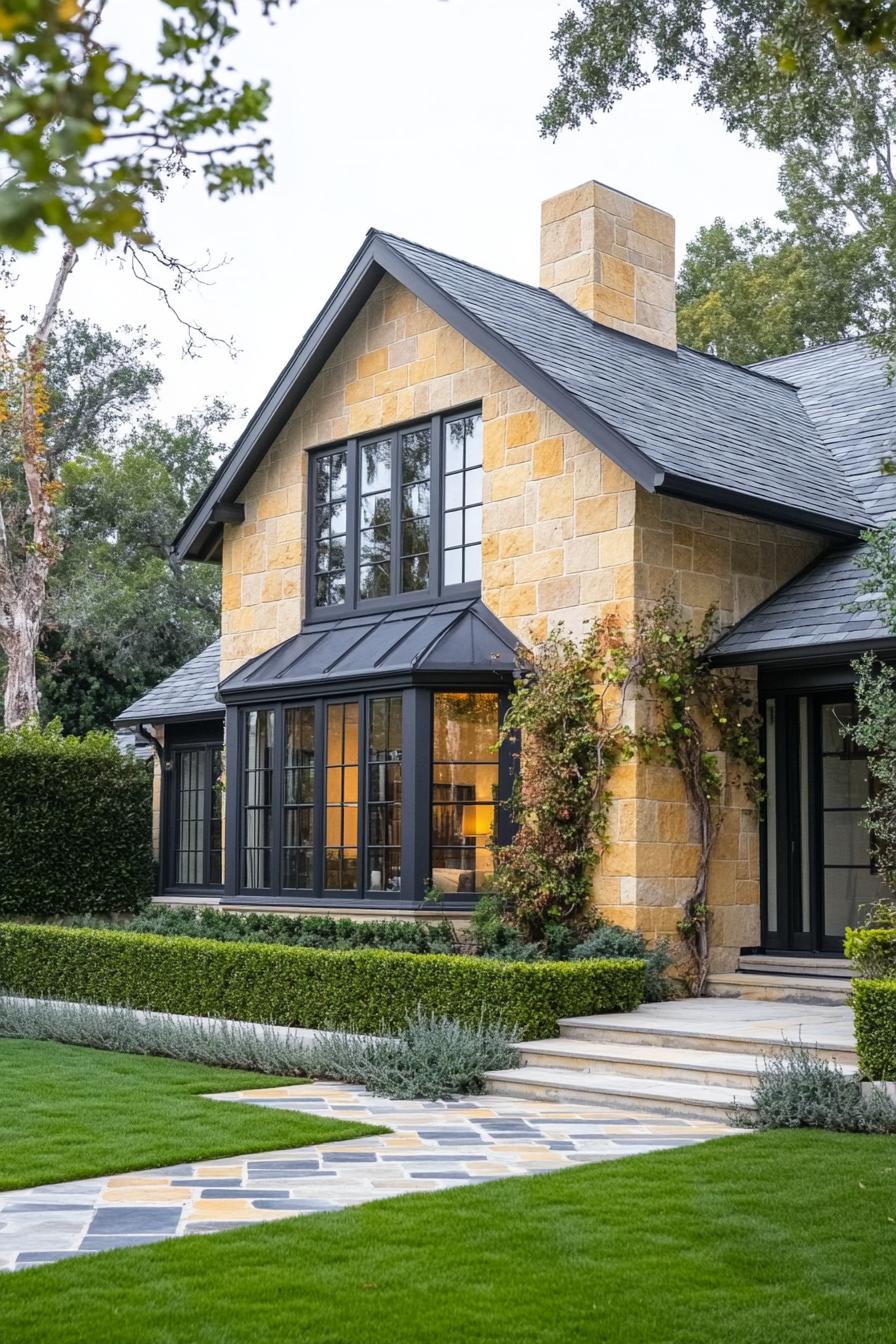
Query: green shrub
{"points": [[801, 1090], [609, 940], [226, 926], [872, 952], [75, 825], [365, 990], [874, 1007]]}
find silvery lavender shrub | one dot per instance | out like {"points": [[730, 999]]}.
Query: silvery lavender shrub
{"points": [[431, 1056], [802, 1090]]}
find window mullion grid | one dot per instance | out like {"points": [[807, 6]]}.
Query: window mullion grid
{"points": [[436, 487], [353, 523], [208, 776], [395, 536]]}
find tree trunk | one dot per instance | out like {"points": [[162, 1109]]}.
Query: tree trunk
{"points": [[23, 583], [20, 699]]}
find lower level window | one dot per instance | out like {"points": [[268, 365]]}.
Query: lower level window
{"points": [[464, 790], [336, 802], [198, 857], [258, 774]]}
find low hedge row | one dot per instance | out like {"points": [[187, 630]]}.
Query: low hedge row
{"points": [[363, 990], [874, 1007], [872, 950]]}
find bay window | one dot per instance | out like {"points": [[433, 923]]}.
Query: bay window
{"points": [[375, 796]]}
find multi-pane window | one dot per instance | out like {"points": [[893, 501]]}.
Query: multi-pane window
{"points": [[378, 505], [197, 817], [330, 523], [464, 789], [341, 826], [258, 772], [416, 454], [376, 519], [850, 882], [462, 504], [298, 798], [384, 793]]}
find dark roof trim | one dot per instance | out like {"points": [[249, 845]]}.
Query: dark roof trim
{"points": [[753, 506], [186, 716], [198, 538], [807, 655]]}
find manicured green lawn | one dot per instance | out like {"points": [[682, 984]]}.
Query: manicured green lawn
{"points": [[784, 1238], [68, 1112]]}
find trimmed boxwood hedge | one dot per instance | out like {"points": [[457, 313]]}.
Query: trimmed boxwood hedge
{"points": [[874, 1006], [872, 950], [75, 825], [362, 990]]}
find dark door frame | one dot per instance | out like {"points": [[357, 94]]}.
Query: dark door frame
{"points": [[796, 850]]}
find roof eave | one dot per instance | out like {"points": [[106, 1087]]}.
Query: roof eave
{"points": [[733, 501], [127, 720], [802, 655], [199, 536]]}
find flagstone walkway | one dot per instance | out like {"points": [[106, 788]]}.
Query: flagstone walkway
{"points": [[433, 1145]]}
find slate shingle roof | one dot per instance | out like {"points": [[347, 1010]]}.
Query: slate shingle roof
{"points": [[190, 692], [848, 396], [443, 637], [811, 617]]}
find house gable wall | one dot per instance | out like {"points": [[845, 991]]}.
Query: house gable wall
{"points": [[568, 537]]}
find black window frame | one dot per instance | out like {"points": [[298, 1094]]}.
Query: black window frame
{"points": [[416, 764], [207, 738], [436, 589]]}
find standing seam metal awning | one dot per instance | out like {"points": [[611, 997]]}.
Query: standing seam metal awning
{"points": [[444, 637]]}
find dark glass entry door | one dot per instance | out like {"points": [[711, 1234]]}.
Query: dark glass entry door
{"points": [[818, 873]]}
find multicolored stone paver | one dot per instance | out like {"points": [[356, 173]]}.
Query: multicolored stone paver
{"points": [[433, 1145]]}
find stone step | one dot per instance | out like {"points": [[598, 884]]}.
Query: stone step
{"points": [[838, 967], [820, 989], [618, 1091], [640, 1032], [708, 1068]]}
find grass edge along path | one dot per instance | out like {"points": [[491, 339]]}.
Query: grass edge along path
{"points": [[785, 1236], [68, 1112]]}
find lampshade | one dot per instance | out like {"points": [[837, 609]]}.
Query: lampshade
{"points": [[477, 819]]}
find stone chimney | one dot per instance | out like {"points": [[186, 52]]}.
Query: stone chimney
{"points": [[613, 258]]}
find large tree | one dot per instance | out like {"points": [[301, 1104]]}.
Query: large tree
{"points": [[89, 138], [753, 292], [779, 77], [123, 610]]}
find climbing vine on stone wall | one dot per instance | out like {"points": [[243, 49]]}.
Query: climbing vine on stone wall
{"points": [[569, 710], [700, 714]]}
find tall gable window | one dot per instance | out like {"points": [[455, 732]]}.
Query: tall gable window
{"points": [[397, 517]]}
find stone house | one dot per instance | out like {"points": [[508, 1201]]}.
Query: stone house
{"points": [[451, 463]]}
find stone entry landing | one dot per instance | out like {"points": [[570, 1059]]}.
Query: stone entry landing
{"points": [[434, 1145]]}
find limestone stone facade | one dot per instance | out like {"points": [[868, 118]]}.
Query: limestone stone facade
{"points": [[568, 536], [613, 258]]}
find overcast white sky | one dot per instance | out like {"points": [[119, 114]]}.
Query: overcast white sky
{"points": [[416, 116]]}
